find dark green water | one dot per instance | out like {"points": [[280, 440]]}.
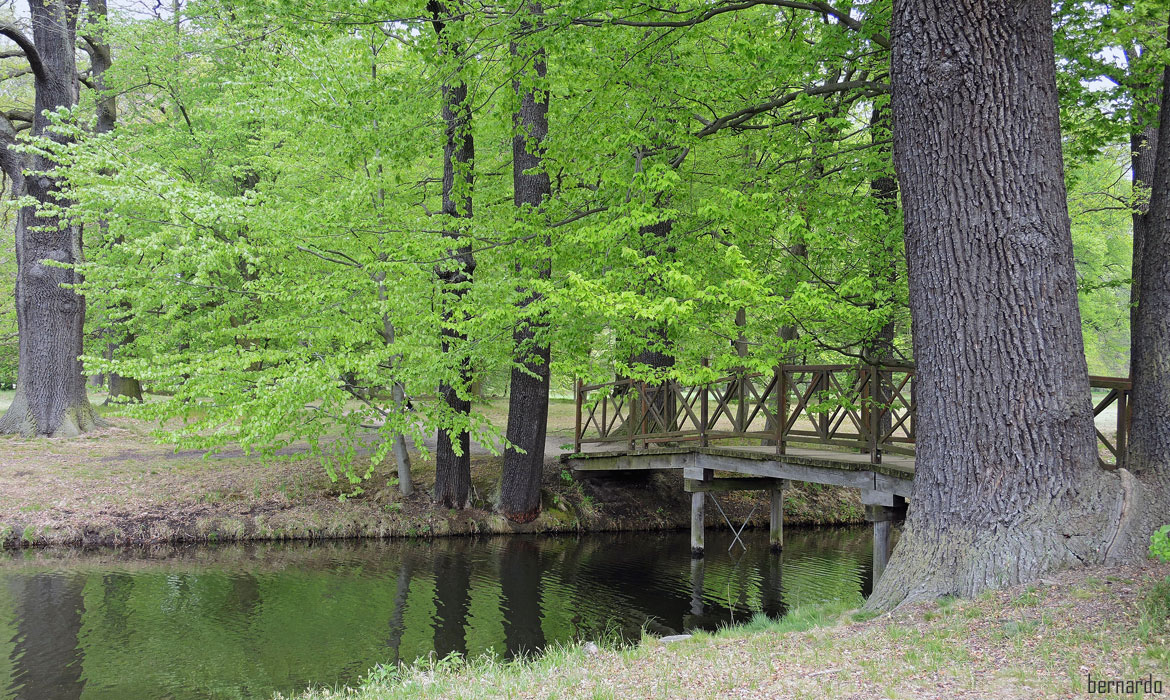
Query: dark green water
{"points": [[245, 621]]}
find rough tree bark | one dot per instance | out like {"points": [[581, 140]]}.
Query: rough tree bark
{"points": [[101, 58], [453, 452], [50, 389], [1143, 145], [1143, 140], [1149, 446], [1007, 484], [528, 395]]}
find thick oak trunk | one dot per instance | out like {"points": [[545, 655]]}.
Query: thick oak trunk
{"points": [[1144, 146], [1149, 444], [50, 395], [1007, 485], [528, 395]]}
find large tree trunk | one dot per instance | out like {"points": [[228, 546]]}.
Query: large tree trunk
{"points": [[528, 396], [1149, 445], [1007, 485], [50, 389], [1144, 146], [453, 452]]}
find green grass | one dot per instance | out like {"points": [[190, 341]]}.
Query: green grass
{"points": [[556, 672]]}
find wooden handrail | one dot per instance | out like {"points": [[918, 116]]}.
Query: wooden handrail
{"points": [[864, 407]]}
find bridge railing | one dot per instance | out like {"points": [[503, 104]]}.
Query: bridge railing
{"points": [[866, 408], [1111, 411]]}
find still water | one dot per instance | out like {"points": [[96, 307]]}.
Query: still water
{"points": [[244, 621]]}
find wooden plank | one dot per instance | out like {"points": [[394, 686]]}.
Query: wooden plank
{"points": [[873, 497], [730, 484], [772, 468], [898, 486]]}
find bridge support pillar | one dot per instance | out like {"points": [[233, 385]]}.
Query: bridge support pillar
{"points": [[698, 515], [776, 530], [882, 518]]}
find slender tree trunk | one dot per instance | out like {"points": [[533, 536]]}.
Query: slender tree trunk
{"points": [[1149, 445], [655, 353], [397, 393], [50, 395], [398, 398], [453, 453], [879, 349], [1007, 485], [121, 388], [528, 395]]}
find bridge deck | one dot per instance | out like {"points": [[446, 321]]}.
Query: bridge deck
{"points": [[880, 482]]}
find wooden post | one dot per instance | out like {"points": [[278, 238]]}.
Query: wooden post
{"points": [[698, 501], [866, 400], [577, 400], [782, 410], [881, 517], [740, 413], [632, 413], [877, 405], [776, 531], [704, 397], [1122, 428], [604, 429]]}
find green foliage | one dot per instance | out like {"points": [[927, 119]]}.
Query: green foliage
{"points": [[262, 228], [1160, 543], [1103, 250]]}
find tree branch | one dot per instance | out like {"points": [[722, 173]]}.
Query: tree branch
{"points": [[739, 117], [27, 47], [841, 16]]}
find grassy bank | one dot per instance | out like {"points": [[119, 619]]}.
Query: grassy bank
{"points": [[1041, 641], [118, 486]]}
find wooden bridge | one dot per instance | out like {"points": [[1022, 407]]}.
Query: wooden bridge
{"points": [[845, 425]]}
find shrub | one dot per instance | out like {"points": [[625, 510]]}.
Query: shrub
{"points": [[1160, 544]]}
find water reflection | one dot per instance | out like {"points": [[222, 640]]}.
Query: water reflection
{"points": [[244, 621]]}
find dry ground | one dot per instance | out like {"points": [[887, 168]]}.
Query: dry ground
{"points": [[117, 485], [1040, 641]]}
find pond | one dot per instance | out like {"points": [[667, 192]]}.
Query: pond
{"points": [[244, 621]]}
